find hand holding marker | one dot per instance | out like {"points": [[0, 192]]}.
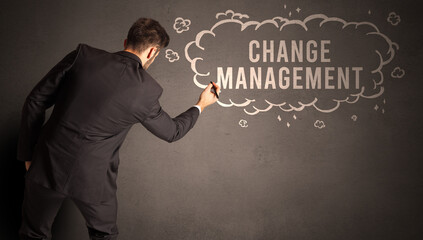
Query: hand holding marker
{"points": [[213, 89], [209, 95]]}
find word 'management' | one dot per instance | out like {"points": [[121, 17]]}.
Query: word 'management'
{"points": [[289, 77]]}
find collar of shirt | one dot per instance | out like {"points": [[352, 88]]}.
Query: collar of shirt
{"points": [[130, 55]]}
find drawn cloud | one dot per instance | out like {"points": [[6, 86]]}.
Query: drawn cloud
{"points": [[243, 123], [231, 15], [171, 55], [356, 43], [319, 124], [393, 18], [397, 73], [181, 25]]}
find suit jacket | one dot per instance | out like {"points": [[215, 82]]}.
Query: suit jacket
{"points": [[97, 97]]}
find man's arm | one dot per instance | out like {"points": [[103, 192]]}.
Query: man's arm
{"points": [[171, 129], [42, 97], [167, 128]]}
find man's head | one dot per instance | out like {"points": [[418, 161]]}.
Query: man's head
{"points": [[145, 39]]}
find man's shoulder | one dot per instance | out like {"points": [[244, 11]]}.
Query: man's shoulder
{"points": [[88, 50], [147, 80], [84, 46], [144, 78]]}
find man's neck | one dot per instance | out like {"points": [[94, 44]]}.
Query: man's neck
{"points": [[131, 51]]}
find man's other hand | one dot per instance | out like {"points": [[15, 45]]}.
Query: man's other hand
{"points": [[207, 97], [27, 164]]}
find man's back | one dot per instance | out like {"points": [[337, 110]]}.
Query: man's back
{"points": [[98, 97]]}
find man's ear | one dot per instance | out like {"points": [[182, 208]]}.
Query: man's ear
{"points": [[124, 43], [151, 52]]}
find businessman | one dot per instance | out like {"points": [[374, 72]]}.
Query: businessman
{"points": [[97, 97]]}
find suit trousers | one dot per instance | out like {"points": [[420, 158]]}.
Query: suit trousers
{"points": [[41, 205]]}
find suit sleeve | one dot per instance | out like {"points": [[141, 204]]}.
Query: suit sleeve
{"points": [[42, 97], [170, 129]]}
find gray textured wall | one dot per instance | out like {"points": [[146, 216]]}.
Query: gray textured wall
{"points": [[349, 180]]}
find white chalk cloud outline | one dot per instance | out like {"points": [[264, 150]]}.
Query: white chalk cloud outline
{"points": [[319, 124], [181, 25], [230, 17], [229, 14], [394, 18], [243, 123], [171, 55], [398, 72]]}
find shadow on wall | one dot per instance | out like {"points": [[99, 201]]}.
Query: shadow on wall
{"points": [[11, 182]]}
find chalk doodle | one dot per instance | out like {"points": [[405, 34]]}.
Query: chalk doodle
{"points": [[394, 19], [231, 15], [354, 117], [319, 124], [243, 123], [171, 55], [397, 73], [331, 77], [181, 25]]}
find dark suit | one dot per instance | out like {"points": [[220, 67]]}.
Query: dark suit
{"points": [[97, 97]]}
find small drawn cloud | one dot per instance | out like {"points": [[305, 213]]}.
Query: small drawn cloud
{"points": [[243, 123], [393, 18], [397, 73], [319, 124], [181, 25], [171, 55], [354, 117]]}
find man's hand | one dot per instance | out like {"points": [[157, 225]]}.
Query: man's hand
{"points": [[207, 97], [27, 164]]}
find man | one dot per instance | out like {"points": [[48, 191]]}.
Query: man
{"points": [[97, 97]]}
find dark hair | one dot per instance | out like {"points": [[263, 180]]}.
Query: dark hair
{"points": [[146, 32]]}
